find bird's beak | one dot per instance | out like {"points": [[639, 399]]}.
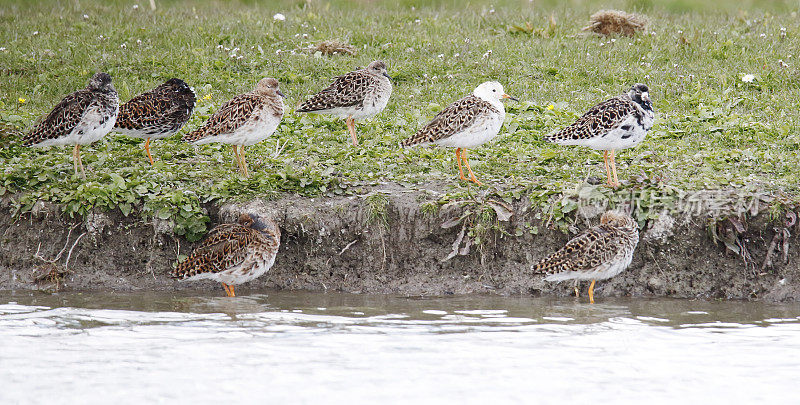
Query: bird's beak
{"points": [[281, 94], [646, 96], [387, 75], [507, 96]]}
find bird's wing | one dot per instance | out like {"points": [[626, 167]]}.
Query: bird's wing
{"points": [[452, 120], [228, 118], [223, 248], [597, 121], [63, 119], [585, 252], [346, 91]]}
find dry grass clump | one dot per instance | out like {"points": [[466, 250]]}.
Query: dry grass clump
{"points": [[334, 47], [615, 22]]}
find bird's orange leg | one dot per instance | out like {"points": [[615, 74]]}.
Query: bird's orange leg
{"points": [[577, 290], [244, 161], [80, 161], [614, 169], [351, 126], [608, 169], [227, 289], [591, 292], [472, 177], [147, 149], [233, 290], [460, 168]]}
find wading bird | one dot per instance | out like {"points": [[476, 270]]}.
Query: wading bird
{"points": [[599, 253], [618, 123], [467, 123], [359, 94], [156, 114], [81, 118], [245, 120], [233, 253]]}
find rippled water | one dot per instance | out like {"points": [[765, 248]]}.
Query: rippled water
{"points": [[292, 347]]}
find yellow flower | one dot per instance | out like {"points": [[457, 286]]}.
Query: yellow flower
{"points": [[207, 97], [21, 100], [550, 107]]}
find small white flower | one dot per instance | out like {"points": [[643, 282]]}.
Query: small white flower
{"points": [[440, 56], [220, 46], [35, 33], [748, 78], [763, 35], [85, 16], [123, 46], [305, 36], [240, 57], [457, 55], [417, 21], [138, 42], [782, 64], [613, 40], [491, 11], [487, 54], [278, 52], [279, 17], [135, 6], [2, 49]]}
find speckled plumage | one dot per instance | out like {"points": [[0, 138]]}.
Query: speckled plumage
{"points": [[467, 123], [233, 253], [598, 253], [157, 113], [359, 94], [618, 123], [244, 120], [81, 118]]}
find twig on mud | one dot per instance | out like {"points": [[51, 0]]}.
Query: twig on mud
{"points": [[58, 256], [66, 263], [348, 246]]}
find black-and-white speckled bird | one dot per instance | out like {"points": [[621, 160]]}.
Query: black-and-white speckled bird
{"points": [[618, 123]]}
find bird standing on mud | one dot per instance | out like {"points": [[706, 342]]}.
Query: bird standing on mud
{"points": [[233, 253], [245, 120], [467, 123], [618, 123], [156, 114], [599, 253], [359, 94], [81, 118]]}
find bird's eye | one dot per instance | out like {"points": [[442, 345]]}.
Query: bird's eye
{"points": [[494, 90]]}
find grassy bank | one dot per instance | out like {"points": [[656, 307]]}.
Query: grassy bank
{"points": [[713, 130]]}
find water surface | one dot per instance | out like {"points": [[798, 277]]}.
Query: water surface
{"points": [[297, 347]]}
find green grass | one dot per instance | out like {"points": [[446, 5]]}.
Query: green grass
{"points": [[712, 129]]}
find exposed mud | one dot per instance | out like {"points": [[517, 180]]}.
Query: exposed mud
{"points": [[348, 244]]}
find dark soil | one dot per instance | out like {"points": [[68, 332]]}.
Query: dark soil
{"points": [[338, 244]]}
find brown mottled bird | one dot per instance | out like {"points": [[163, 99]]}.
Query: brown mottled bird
{"points": [[618, 123], [156, 114], [359, 94], [81, 118], [467, 123], [245, 120], [598, 253], [233, 253]]}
